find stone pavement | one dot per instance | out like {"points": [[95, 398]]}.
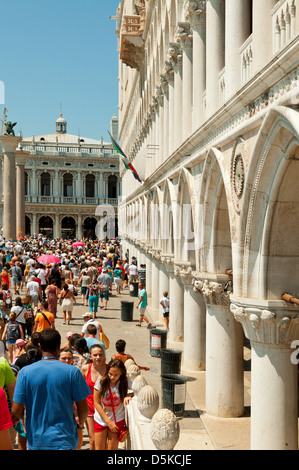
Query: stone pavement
{"points": [[198, 431]]}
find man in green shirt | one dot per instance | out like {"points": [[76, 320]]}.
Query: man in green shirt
{"points": [[142, 304]]}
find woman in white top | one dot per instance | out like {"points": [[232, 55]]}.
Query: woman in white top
{"points": [[164, 302]]}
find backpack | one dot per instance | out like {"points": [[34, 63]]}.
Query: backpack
{"points": [[7, 299], [13, 332]]}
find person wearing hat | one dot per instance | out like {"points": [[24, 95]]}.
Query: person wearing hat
{"points": [[89, 320], [20, 348]]}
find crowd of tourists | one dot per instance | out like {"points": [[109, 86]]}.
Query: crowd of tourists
{"points": [[50, 391]]}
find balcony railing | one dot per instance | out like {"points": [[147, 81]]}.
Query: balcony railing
{"points": [[70, 200], [283, 23]]}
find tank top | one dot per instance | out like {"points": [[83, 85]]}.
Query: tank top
{"points": [[89, 399]]}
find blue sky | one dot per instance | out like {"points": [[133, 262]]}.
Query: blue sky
{"points": [[60, 51]]}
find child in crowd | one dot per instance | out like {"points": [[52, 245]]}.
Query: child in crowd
{"points": [[120, 347]]}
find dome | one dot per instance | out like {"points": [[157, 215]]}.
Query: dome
{"points": [[61, 125]]}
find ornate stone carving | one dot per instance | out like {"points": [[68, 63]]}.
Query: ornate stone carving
{"points": [[195, 9], [148, 401], [138, 383], [165, 430], [184, 34], [237, 173], [183, 270], [216, 291], [175, 54], [267, 326]]}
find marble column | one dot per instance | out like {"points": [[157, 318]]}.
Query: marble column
{"points": [[237, 30], [184, 37], [169, 75], [20, 192], [196, 14], [155, 289], [262, 25], [56, 228], [224, 350], [9, 145], [165, 87], [194, 328], [80, 227], [163, 284], [271, 328], [175, 56], [215, 37], [176, 316], [148, 263]]}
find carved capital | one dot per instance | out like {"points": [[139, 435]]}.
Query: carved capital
{"points": [[184, 34], [175, 53], [216, 288], [262, 324], [183, 270], [195, 11]]}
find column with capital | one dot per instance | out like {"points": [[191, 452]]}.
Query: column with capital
{"points": [[184, 37], [224, 348], [169, 76], [9, 145], [20, 192], [175, 57], [196, 14], [176, 308], [165, 91], [271, 327]]}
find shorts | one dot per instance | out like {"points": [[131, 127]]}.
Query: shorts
{"points": [[99, 428], [142, 311], [34, 298], [16, 281], [132, 278], [165, 314], [117, 281], [104, 294], [83, 289]]}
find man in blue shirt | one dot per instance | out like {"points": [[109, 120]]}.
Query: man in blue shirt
{"points": [[48, 389], [142, 304]]}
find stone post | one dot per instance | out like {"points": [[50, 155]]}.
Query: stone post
{"points": [[184, 37], [196, 14], [224, 349], [271, 326], [9, 145], [20, 192]]}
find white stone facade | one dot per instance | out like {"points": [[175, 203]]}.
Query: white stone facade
{"points": [[66, 178], [208, 116]]}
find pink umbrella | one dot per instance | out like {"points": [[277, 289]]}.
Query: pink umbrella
{"points": [[48, 259], [78, 244]]}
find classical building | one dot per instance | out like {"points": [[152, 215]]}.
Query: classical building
{"points": [[208, 116], [66, 179]]}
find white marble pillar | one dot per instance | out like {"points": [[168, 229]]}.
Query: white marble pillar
{"points": [[224, 350], [163, 285], [184, 36], [148, 263], [215, 37], [170, 79], [20, 192], [155, 290], [194, 329], [80, 227], [271, 329], [175, 54], [56, 230], [9, 145], [34, 229], [237, 30], [262, 28], [196, 14], [176, 315], [165, 88]]}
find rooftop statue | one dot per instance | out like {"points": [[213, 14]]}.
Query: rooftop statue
{"points": [[9, 128]]}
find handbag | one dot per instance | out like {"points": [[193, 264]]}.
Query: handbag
{"points": [[122, 433], [104, 339]]}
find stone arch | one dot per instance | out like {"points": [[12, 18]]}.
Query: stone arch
{"points": [[271, 248], [215, 216], [46, 225]]}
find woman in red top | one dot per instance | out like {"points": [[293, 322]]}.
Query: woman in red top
{"points": [[5, 422], [91, 372]]}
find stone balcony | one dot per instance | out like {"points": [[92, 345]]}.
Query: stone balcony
{"points": [[131, 40]]}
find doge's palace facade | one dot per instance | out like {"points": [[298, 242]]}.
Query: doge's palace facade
{"points": [[208, 116]]}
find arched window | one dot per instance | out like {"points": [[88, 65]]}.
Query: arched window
{"points": [[112, 186], [90, 186], [68, 185], [45, 181]]}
